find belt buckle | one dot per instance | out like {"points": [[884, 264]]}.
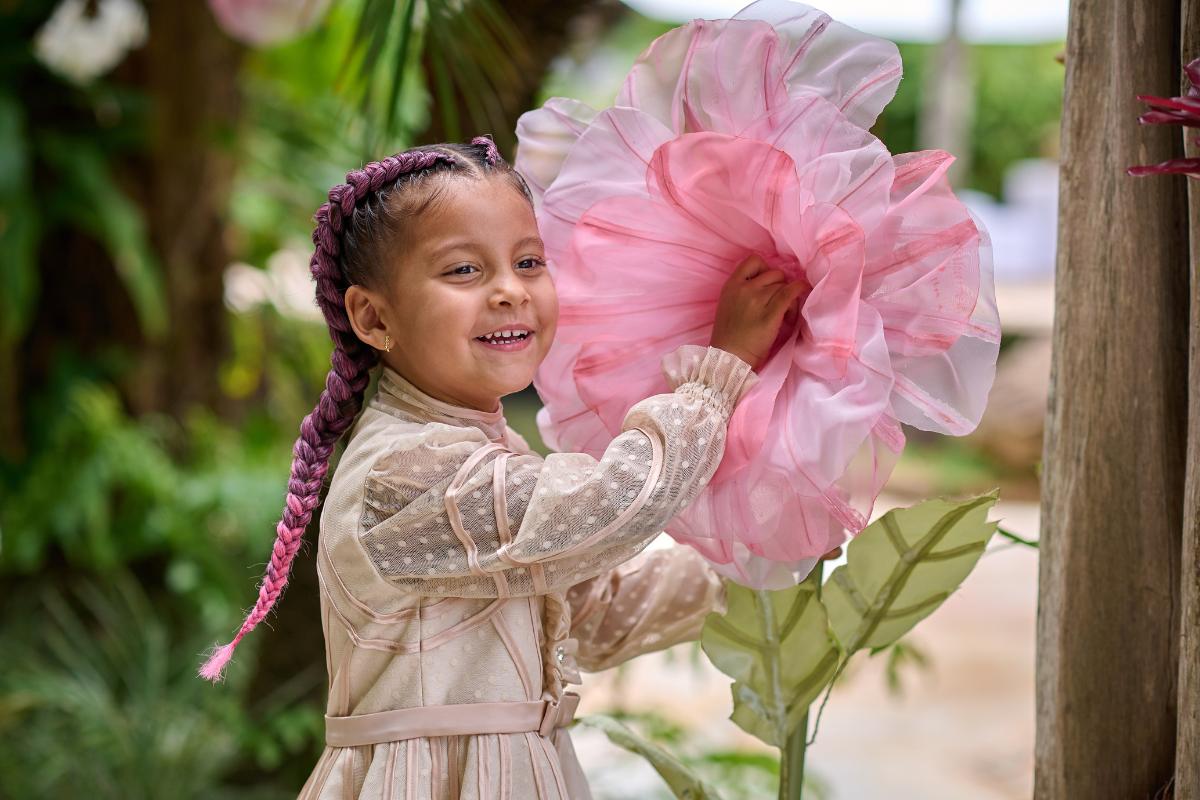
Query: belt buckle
{"points": [[549, 718]]}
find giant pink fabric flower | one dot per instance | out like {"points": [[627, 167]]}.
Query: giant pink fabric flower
{"points": [[744, 136]]}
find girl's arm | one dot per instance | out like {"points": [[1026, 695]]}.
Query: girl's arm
{"points": [[449, 515], [657, 600]]}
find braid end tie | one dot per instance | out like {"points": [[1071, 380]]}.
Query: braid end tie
{"points": [[214, 667]]}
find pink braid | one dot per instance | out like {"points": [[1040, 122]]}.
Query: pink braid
{"points": [[344, 387]]}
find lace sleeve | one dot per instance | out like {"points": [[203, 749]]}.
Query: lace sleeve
{"points": [[495, 522], [654, 601]]}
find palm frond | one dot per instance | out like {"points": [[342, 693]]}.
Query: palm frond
{"points": [[467, 52]]}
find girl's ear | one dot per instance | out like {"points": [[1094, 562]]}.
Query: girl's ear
{"points": [[363, 308]]}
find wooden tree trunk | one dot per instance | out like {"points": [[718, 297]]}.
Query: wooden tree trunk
{"points": [[191, 70], [1187, 746], [1112, 501]]}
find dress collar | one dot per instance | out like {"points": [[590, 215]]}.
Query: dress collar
{"points": [[400, 392]]}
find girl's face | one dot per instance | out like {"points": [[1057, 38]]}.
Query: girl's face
{"points": [[472, 264]]}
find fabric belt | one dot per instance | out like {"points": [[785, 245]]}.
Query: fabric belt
{"points": [[457, 719]]}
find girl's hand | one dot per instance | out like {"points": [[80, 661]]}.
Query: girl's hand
{"points": [[753, 304], [834, 553]]}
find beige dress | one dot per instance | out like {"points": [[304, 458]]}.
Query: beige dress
{"points": [[465, 580]]}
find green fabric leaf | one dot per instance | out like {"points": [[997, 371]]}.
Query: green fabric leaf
{"points": [[902, 567], [682, 781], [777, 647]]}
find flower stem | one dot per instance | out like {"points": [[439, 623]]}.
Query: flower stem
{"points": [[791, 766], [791, 762]]}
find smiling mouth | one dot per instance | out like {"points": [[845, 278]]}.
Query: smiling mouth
{"points": [[516, 337], [514, 343]]}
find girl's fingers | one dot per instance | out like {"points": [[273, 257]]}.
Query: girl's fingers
{"points": [[789, 316], [784, 297], [768, 277], [749, 268]]}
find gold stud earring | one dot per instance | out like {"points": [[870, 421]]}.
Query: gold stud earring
{"points": [[387, 343]]}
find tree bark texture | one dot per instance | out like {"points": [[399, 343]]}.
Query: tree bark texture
{"points": [[1114, 454], [1187, 745], [191, 70]]}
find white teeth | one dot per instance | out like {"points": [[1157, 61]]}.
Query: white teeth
{"points": [[503, 335]]}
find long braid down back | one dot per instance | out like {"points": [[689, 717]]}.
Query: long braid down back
{"points": [[352, 360]]}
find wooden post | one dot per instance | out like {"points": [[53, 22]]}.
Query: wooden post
{"points": [[1187, 745], [1113, 469]]}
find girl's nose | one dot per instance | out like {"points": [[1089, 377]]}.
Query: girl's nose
{"points": [[509, 289]]}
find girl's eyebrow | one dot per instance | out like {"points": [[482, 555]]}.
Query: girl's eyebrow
{"points": [[535, 241], [453, 244], [471, 244]]}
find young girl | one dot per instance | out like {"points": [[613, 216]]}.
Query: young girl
{"points": [[465, 579]]}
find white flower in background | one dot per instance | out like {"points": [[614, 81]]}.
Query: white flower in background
{"points": [[266, 22], [286, 284], [81, 45]]}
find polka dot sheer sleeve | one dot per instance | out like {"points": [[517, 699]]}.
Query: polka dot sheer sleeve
{"points": [[450, 515], [658, 599]]}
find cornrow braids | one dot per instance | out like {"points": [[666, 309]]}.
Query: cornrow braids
{"points": [[342, 255]]}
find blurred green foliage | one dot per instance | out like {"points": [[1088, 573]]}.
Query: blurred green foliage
{"points": [[1018, 105], [300, 136], [58, 175], [182, 511], [99, 697]]}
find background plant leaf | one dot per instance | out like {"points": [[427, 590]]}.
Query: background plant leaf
{"points": [[682, 781], [471, 51], [102, 667]]}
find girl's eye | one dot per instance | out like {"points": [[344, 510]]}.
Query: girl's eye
{"points": [[530, 264]]}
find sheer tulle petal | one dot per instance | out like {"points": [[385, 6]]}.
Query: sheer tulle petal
{"points": [[946, 391], [737, 562], [931, 281], [837, 161], [696, 77], [855, 71], [545, 135], [817, 473], [608, 160]]}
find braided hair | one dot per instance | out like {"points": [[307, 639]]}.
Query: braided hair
{"points": [[355, 229]]}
